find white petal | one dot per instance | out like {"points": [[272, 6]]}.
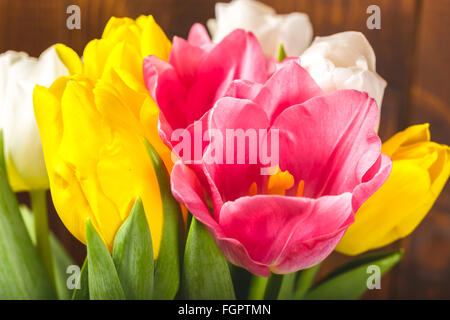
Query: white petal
{"points": [[294, 30], [292, 26], [19, 74], [344, 61]]}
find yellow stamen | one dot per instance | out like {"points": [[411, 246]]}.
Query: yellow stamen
{"points": [[253, 189], [280, 182], [300, 188]]}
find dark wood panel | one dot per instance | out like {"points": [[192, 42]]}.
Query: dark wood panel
{"points": [[425, 271]]}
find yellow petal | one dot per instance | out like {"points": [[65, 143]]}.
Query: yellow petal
{"points": [[149, 119], [95, 55], [69, 58], [125, 57], [410, 136], [67, 195], [114, 24], [419, 172], [154, 40], [377, 220], [93, 125]]}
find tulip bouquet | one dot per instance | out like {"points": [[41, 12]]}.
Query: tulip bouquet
{"points": [[206, 168]]}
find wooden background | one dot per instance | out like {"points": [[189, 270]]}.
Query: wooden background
{"points": [[413, 55]]}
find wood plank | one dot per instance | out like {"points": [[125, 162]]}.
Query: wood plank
{"points": [[424, 272]]}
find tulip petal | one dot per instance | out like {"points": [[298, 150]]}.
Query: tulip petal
{"points": [[69, 58], [382, 213], [410, 136], [286, 232], [243, 89], [162, 81], [289, 86], [198, 36], [153, 39], [238, 56], [346, 148], [187, 189], [229, 119], [183, 51]]}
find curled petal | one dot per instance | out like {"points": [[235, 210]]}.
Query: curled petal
{"points": [[334, 161], [271, 227]]}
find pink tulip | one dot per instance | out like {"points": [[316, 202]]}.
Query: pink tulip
{"points": [[198, 73], [327, 144]]}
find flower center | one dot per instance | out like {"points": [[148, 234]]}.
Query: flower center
{"points": [[278, 183]]}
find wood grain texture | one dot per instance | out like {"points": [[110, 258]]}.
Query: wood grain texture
{"points": [[413, 55], [425, 271]]}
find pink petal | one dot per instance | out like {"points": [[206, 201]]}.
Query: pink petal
{"points": [[198, 36], [187, 189], [199, 73], [238, 56], [270, 226], [230, 113], [372, 181], [237, 254], [288, 86], [303, 255], [162, 82], [186, 59], [329, 142], [243, 89]]}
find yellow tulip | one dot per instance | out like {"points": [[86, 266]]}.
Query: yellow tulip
{"points": [[124, 45], [93, 124], [420, 169]]}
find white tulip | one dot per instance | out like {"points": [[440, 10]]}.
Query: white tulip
{"points": [[19, 73], [344, 61], [293, 30]]}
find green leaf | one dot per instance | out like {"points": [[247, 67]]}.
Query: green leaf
{"points": [[104, 283], [206, 275], [281, 53], [350, 281], [167, 264], [133, 255], [83, 292], [61, 259], [273, 286], [22, 272]]}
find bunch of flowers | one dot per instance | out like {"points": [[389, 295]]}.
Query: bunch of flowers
{"points": [[182, 165]]}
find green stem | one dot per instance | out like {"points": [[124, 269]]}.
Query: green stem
{"points": [[273, 287], [287, 286], [305, 280], [39, 207], [257, 288]]}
